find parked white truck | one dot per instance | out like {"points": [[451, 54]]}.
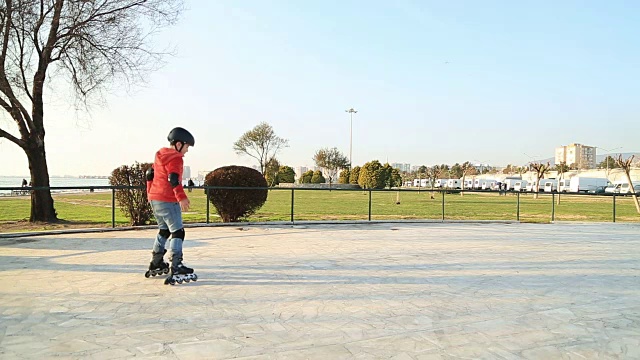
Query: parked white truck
{"points": [[585, 184]]}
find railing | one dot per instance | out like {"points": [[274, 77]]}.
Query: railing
{"points": [[442, 193]]}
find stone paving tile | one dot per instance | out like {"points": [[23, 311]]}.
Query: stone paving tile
{"points": [[365, 291]]}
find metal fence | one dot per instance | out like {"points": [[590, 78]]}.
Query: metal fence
{"points": [[440, 195]]}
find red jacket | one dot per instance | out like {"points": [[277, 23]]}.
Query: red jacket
{"points": [[167, 161]]}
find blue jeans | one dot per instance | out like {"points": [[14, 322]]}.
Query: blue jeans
{"points": [[169, 217]]}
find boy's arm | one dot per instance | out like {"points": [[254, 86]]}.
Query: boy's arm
{"points": [[174, 169], [149, 174]]}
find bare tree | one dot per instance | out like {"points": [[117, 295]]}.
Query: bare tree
{"points": [[331, 160], [625, 165], [261, 143], [88, 43], [540, 170], [561, 169], [467, 169], [433, 173]]}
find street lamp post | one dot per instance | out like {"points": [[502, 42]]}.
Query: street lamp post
{"points": [[605, 159], [351, 112]]}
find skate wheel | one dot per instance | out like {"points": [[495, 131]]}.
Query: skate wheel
{"points": [[179, 281], [166, 271], [195, 277], [187, 280], [146, 274]]}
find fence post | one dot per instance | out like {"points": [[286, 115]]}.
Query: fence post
{"points": [[369, 204], [518, 211], [206, 191], [442, 204], [292, 205], [614, 207], [553, 206], [113, 207]]}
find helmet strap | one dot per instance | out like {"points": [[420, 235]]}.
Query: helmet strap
{"points": [[175, 146]]}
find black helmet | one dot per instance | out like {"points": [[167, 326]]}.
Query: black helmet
{"points": [[181, 135]]}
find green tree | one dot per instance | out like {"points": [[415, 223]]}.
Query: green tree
{"points": [[344, 176], [331, 160], [271, 172], [510, 169], [608, 163], [306, 177], [456, 171], [372, 176], [317, 178], [286, 174], [354, 174], [392, 176], [85, 44], [261, 143]]}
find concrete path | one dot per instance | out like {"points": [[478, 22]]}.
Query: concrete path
{"points": [[374, 291]]}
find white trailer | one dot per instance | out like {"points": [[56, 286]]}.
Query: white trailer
{"points": [[440, 183], [520, 185], [564, 185], [453, 183], [586, 184], [488, 184], [511, 182], [531, 185], [421, 183], [550, 185]]}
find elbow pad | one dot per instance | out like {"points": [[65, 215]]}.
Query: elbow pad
{"points": [[149, 173], [174, 179]]}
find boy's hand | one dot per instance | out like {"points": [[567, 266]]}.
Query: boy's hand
{"points": [[184, 204]]}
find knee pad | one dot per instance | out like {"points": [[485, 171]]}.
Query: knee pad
{"points": [[164, 233], [178, 234]]}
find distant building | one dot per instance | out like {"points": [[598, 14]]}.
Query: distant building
{"points": [[203, 174], [299, 170], [582, 156], [402, 167], [186, 172]]}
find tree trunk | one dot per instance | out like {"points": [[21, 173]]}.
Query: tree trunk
{"points": [[41, 201], [633, 191]]}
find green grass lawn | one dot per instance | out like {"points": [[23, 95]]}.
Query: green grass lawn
{"points": [[94, 209]]}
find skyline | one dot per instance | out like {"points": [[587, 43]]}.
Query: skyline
{"points": [[495, 83]]}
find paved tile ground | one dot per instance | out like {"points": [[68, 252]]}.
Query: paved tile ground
{"points": [[375, 291]]}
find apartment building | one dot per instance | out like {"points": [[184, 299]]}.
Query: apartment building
{"points": [[584, 157], [402, 167]]}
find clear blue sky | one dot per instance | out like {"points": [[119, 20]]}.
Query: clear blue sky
{"points": [[434, 82]]}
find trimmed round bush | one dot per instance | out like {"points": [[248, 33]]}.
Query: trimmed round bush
{"points": [[234, 204]]}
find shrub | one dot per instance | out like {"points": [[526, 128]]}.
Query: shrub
{"points": [[344, 176], [286, 174], [306, 177], [318, 178], [233, 204], [133, 202]]}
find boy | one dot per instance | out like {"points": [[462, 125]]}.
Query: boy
{"points": [[167, 197]]}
